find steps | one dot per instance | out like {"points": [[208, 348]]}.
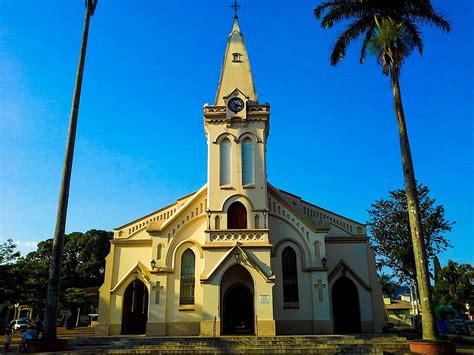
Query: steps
{"points": [[316, 344]]}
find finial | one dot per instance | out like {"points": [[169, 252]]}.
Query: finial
{"points": [[235, 6]]}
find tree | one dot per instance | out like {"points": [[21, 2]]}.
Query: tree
{"points": [[454, 285], [390, 234], [8, 286], [389, 288], [84, 255], [7, 252], [75, 299], [52, 296], [390, 28]]}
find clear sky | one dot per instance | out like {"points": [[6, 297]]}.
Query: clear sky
{"points": [[151, 65]]}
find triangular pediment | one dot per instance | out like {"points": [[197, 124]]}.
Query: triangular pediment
{"points": [[142, 273], [344, 269], [230, 259]]}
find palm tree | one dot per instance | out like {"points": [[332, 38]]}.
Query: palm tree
{"points": [[391, 31], [52, 296]]}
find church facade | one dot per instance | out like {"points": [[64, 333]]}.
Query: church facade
{"points": [[239, 256]]}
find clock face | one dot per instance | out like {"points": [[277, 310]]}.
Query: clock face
{"points": [[235, 105]]}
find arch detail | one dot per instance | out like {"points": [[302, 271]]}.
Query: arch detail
{"points": [[240, 198], [251, 135], [281, 244], [224, 135], [173, 251]]}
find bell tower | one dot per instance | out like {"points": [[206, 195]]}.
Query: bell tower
{"points": [[237, 128]]}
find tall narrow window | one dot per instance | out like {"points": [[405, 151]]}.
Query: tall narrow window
{"points": [[225, 151], [257, 222], [217, 223], [158, 251], [247, 162], [186, 293], [237, 216], [290, 276]]}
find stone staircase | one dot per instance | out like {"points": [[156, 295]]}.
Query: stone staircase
{"points": [[316, 344]]}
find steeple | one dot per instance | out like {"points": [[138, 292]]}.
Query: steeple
{"points": [[235, 72]]}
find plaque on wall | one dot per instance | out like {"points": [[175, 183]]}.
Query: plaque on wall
{"points": [[264, 299]]}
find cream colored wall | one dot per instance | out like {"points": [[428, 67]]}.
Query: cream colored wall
{"points": [[287, 231], [257, 194], [354, 255]]}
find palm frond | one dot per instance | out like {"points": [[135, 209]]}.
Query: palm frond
{"points": [[432, 18], [414, 36], [351, 33], [368, 37]]}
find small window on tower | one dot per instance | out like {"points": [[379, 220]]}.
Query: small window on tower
{"points": [[237, 57]]}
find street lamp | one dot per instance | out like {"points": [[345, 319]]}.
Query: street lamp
{"points": [[153, 264], [324, 261]]}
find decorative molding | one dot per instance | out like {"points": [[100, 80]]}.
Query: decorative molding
{"points": [[227, 245], [339, 266], [245, 235], [140, 242], [247, 260], [142, 269], [343, 240]]}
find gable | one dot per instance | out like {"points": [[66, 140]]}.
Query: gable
{"points": [[317, 217]]}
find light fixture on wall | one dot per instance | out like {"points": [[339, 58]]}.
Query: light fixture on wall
{"points": [[135, 274], [237, 256], [153, 264], [208, 219], [101, 270], [324, 261]]}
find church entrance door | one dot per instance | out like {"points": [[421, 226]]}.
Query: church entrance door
{"points": [[238, 316], [345, 306], [135, 308]]}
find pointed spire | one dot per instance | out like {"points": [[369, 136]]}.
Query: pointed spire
{"points": [[235, 72]]}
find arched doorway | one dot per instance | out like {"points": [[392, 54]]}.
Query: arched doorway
{"points": [[237, 216], [135, 308], [345, 306], [237, 300]]}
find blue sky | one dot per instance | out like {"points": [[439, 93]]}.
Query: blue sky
{"points": [[151, 65]]}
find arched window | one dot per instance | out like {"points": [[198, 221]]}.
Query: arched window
{"points": [[247, 162], [237, 216], [290, 276], [158, 251], [225, 162], [186, 293], [257, 222], [217, 223]]}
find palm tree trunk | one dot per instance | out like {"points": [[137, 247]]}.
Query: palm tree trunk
{"points": [[52, 297], [421, 262]]}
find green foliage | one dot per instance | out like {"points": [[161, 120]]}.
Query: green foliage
{"points": [[390, 235], [454, 285], [390, 44], [25, 281], [436, 269], [76, 297], [404, 15], [8, 286], [389, 288], [7, 252]]}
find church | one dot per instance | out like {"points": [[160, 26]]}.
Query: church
{"points": [[239, 256]]}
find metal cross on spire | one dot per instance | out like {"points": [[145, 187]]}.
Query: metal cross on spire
{"points": [[235, 6]]}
